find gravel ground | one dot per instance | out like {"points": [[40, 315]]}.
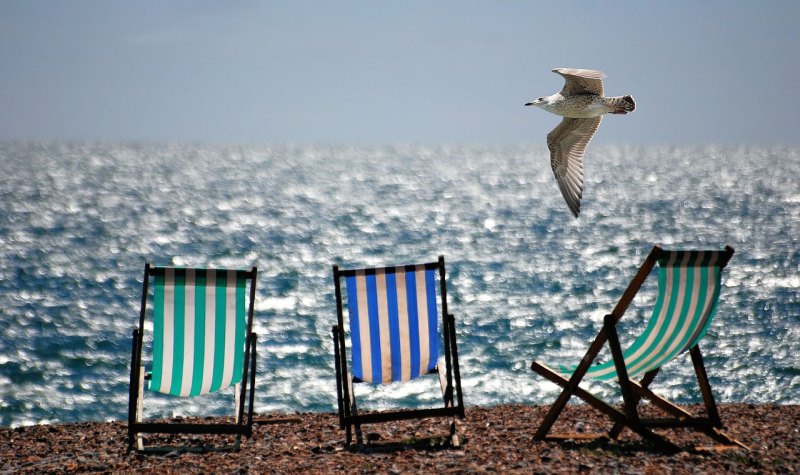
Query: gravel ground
{"points": [[497, 439]]}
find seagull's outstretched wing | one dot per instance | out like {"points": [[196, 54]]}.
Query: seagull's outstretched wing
{"points": [[581, 81], [567, 142]]}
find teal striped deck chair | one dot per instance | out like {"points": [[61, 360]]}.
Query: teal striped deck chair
{"points": [[689, 285], [399, 329], [202, 342]]}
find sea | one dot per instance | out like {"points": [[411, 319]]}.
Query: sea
{"points": [[526, 280]]}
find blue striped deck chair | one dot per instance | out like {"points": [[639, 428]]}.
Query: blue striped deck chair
{"points": [[202, 343], [689, 285], [398, 330]]}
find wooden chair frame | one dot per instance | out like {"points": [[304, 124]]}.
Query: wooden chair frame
{"points": [[243, 416], [632, 391], [450, 380]]}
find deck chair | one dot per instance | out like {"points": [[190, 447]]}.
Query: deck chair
{"points": [[689, 286], [394, 331], [202, 342]]}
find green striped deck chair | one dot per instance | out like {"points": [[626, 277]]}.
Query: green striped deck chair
{"points": [[688, 294], [397, 326], [202, 342]]}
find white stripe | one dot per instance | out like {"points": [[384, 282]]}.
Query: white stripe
{"points": [[230, 329], [169, 330], [188, 332], [402, 320], [208, 352], [383, 326], [363, 326], [422, 309]]}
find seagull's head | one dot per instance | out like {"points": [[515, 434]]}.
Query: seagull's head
{"points": [[540, 102]]}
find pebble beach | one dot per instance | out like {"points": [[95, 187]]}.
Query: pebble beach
{"points": [[497, 439]]}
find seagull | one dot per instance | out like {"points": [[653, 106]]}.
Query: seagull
{"points": [[582, 105]]}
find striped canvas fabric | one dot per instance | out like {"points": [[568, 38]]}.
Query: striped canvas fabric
{"points": [[689, 285], [199, 330], [393, 323]]}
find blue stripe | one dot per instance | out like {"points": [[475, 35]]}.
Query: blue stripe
{"points": [[374, 328], [355, 331], [413, 321], [433, 332], [394, 326]]}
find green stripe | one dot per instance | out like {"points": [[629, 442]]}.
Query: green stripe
{"points": [[201, 348], [671, 309], [651, 325], [685, 317], [713, 310], [714, 299], [696, 288], [179, 324], [240, 331], [640, 341], [199, 332], [158, 331], [673, 313], [694, 318], [675, 344], [700, 290], [674, 280], [219, 340]]}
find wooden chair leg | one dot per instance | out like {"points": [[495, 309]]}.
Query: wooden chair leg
{"points": [[133, 390], [353, 415], [648, 378], [338, 366], [139, 409], [236, 400], [705, 387], [251, 405], [571, 387], [553, 413], [630, 400], [447, 395]]}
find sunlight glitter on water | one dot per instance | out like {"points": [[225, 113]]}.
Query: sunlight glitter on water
{"points": [[525, 280]]}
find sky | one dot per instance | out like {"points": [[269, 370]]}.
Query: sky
{"points": [[369, 72]]}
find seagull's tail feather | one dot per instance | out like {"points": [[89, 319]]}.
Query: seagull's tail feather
{"points": [[621, 104]]}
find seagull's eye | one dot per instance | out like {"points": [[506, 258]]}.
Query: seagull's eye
{"points": [[540, 99]]}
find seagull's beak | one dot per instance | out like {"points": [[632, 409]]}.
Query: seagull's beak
{"points": [[529, 104]]}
